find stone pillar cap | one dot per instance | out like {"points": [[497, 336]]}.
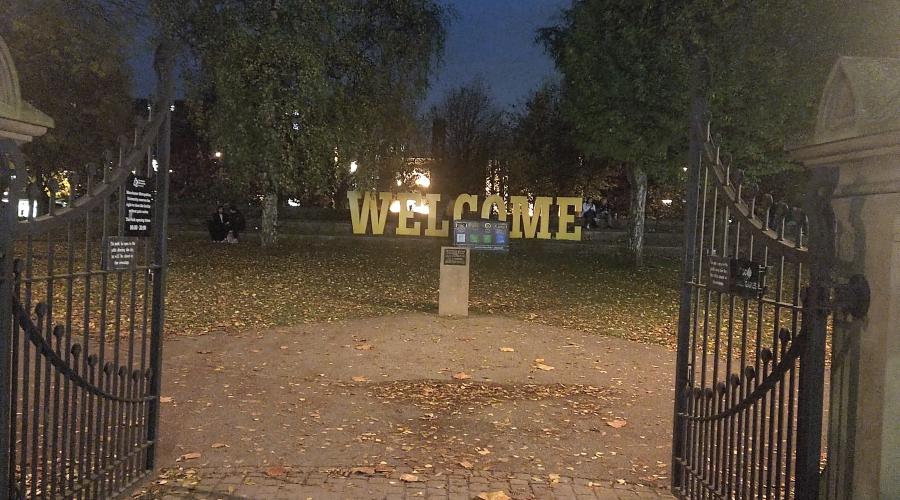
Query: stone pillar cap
{"points": [[19, 120], [859, 114]]}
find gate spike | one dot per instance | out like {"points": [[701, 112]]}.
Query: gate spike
{"points": [[40, 310], [123, 370], [58, 331], [135, 375], [92, 360], [765, 355], [107, 368], [750, 373], [735, 380], [76, 350], [721, 387], [708, 393]]}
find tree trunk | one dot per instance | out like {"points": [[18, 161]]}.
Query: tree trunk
{"points": [[637, 179], [269, 229]]}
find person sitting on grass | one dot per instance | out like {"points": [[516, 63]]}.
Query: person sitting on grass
{"points": [[588, 213]]}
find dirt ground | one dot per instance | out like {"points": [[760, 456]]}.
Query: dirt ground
{"points": [[420, 392]]}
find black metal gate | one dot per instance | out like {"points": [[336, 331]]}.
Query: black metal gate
{"points": [[81, 332], [751, 339]]}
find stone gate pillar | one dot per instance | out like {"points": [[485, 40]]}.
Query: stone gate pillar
{"points": [[856, 151]]}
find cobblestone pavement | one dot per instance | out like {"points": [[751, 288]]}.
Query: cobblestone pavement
{"points": [[294, 483]]}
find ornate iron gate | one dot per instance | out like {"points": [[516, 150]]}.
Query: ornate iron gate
{"points": [[80, 335], [751, 339]]}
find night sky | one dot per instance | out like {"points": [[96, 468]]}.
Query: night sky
{"points": [[491, 39]]}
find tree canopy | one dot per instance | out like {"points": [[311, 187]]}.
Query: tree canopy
{"points": [[291, 91], [469, 130], [72, 66]]}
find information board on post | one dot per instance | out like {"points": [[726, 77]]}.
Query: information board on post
{"points": [[121, 253], [738, 276], [138, 209], [487, 235]]}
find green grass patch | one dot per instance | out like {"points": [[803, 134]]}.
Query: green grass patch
{"points": [[233, 288]]}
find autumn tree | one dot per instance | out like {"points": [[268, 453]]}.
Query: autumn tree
{"points": [[637, 73], [470, 133], [620, 97], [291, 91], [544, 155], [72, 65]]}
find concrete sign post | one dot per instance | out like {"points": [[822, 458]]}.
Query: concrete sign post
{"points": [[454, 292]]}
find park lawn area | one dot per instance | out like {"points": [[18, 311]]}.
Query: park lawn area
{"points": [[236, 288]]}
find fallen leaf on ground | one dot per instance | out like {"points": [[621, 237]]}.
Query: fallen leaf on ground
{"points": [[276, 471], [538, 360], [620, 481], [553, 478], [363, 347], [461, 376], [219, 445], [189, 456], [617, 423], [493, 495], [384, 468], [165, 399], [507, 349], [546, 368], [360, 379], [409, 478], [483, 451], [465, 464], [369, 471]]}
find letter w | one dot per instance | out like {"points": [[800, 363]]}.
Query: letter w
{"points": [[370, 211]]}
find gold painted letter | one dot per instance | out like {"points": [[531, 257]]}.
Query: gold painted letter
{"points": [[433, 201], [525, 224], [491, 201], [369, 210], [566, 218], [464, 199], [405, 214]]}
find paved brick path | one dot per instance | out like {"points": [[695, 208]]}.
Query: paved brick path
{"points": [[292, 483]]}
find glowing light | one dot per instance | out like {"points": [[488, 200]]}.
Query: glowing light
{"points": [[293, 203], [353, 167], [423, 181], [667, 203], [684, 169], [531, 209], [155, 165], [419, 209], [218, 154], [399, 183], [23, 208], [172, 108], [395, 206]]}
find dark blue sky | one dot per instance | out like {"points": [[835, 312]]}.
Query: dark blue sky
{"points": [[494, 39], [491, 39]]}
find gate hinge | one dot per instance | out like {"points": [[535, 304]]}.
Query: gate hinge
{"points": [[852, 297]]}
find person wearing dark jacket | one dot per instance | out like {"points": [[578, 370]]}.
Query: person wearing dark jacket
{"points": [[219, 225], [238, 222]]}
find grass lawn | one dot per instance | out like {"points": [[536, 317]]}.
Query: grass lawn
{"points": [[233, 288]]}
